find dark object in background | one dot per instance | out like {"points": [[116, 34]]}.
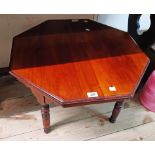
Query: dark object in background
{"points": [[146, 41], [148, 37]]}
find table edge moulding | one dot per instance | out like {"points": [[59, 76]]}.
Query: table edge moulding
{"points": [[51, 38]]}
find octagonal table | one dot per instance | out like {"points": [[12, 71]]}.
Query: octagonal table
{"points": [[77, 62]]}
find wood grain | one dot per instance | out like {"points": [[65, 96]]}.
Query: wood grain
{"points": [[65, 59]]}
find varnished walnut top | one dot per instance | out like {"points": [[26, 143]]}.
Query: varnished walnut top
{"points": [[76, 61]]}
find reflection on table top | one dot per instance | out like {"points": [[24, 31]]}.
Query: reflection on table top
{"points": [[78, 60]]}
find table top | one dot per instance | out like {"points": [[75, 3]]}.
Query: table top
{"points": [[76, 61]]}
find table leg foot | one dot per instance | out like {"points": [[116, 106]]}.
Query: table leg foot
{"points": [[46, 118], [116, 111]]}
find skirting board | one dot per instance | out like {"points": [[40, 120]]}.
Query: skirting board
{"points": [[4, 71]]}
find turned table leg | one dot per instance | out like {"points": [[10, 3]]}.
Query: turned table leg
{"points": [[116, 111], [46, 117]]}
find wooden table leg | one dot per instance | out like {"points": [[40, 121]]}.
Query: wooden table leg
{"points": [[46, 117], [45, 111], [116, 111]]}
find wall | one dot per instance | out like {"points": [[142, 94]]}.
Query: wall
{"points": [[11, 25], [120, 21]]}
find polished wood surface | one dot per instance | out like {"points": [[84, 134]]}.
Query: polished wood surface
{"points": [[66, 59], [116, 111], [45, 112], [144, 40]]}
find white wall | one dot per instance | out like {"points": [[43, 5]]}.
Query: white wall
{"points": [[11, 25], [120, 21]]}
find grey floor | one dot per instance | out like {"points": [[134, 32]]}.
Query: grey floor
{"points": [[20, 118]]}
